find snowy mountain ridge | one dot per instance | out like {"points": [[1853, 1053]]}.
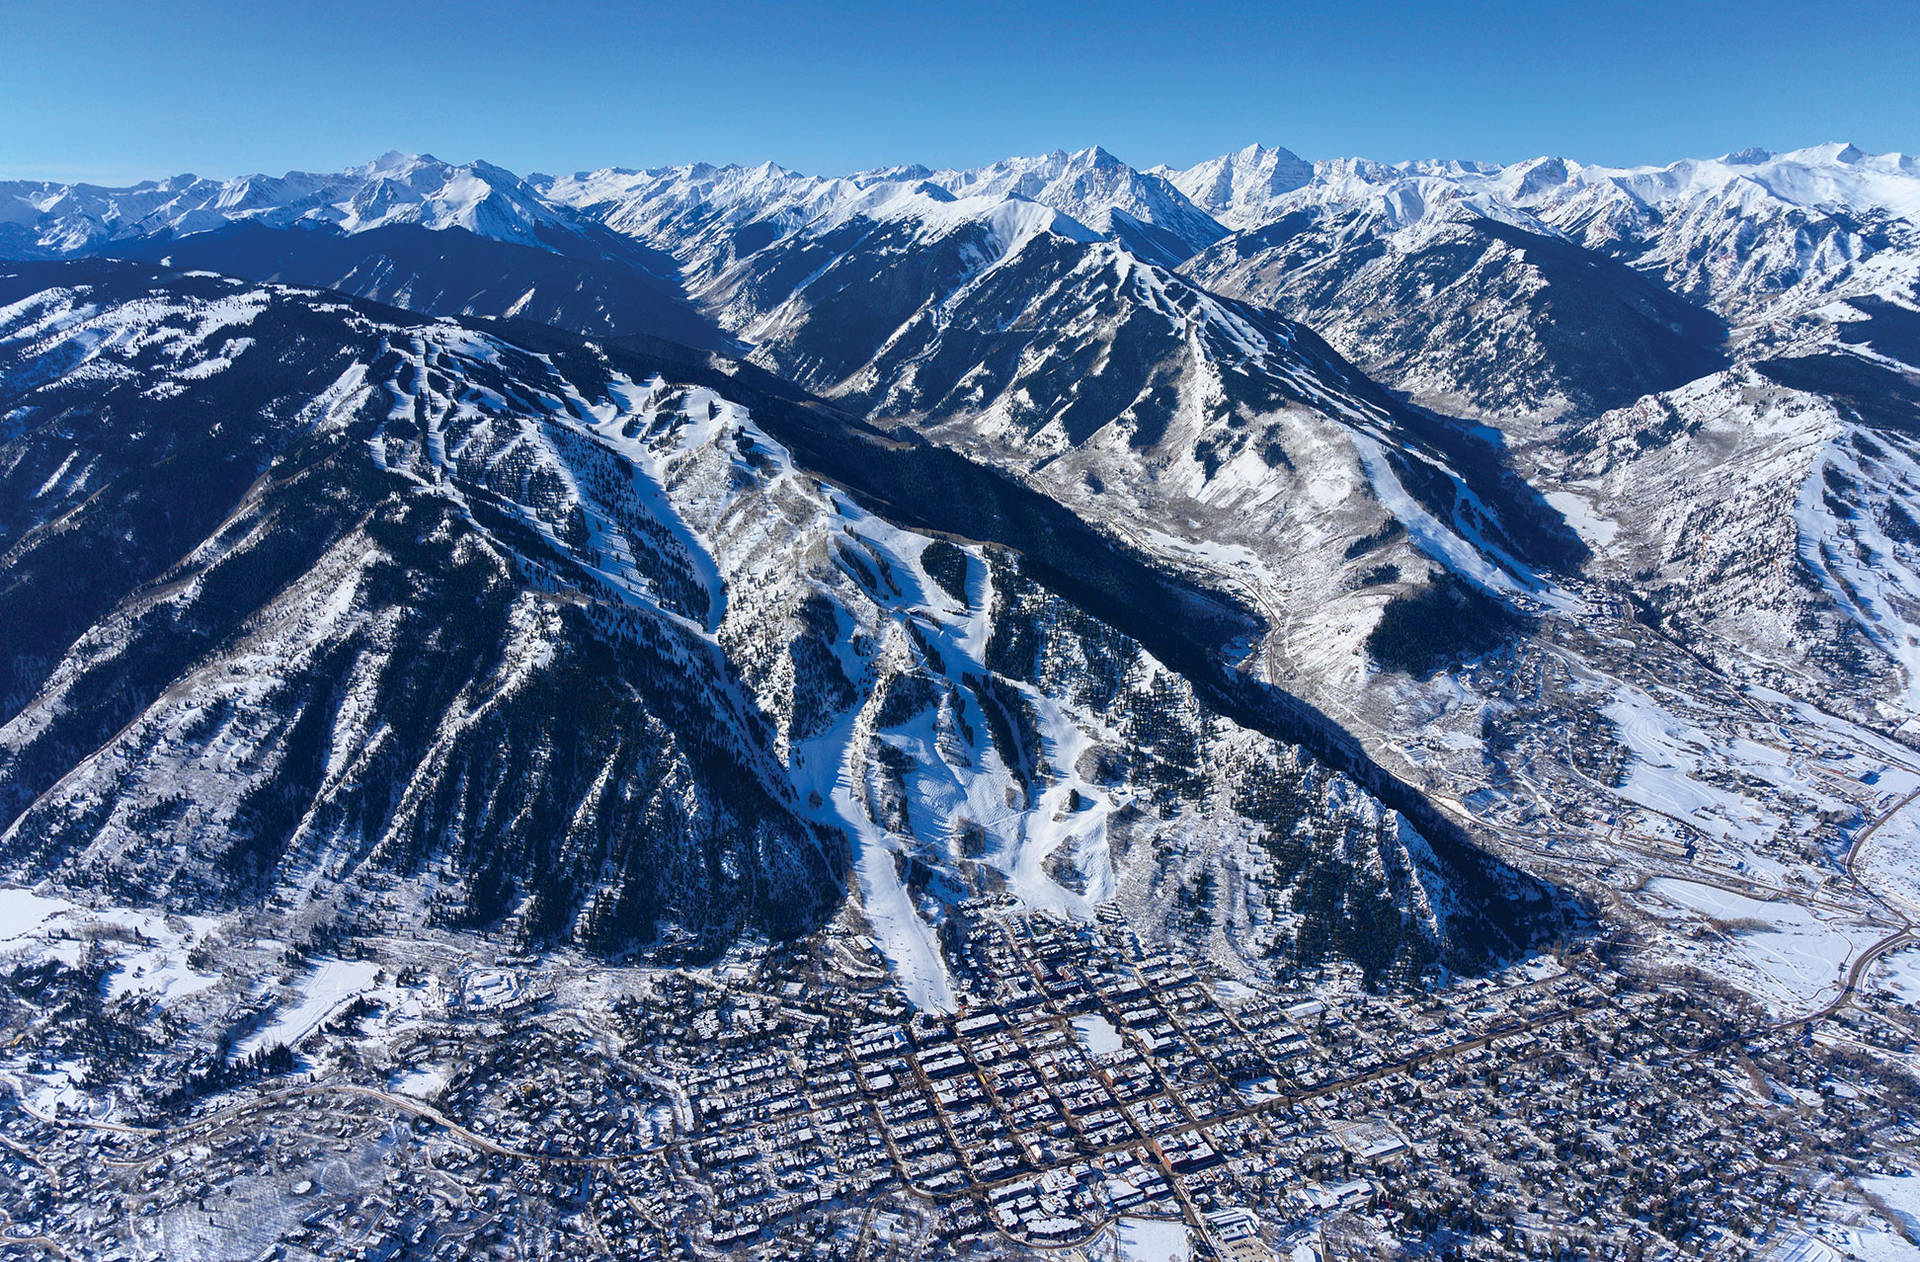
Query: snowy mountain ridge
{"points": [[335, 652], [1257, 185], [396, 188], [1162, 209]]}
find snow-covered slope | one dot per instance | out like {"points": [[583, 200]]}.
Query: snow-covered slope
{"points": [[534, 635], [1696, 361], [299, 592], [408, 230], [1755, 236], [1772, 507], [1258, 186], [1016, 311], [1241, 189], [1471, 314], [1744, 234]]}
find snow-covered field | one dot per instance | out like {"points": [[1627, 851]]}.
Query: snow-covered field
{"points": [[146, 953], [1900, 1194], [421, 1082], [1670, 755], [1152, 1240], [1781, 952], [1889, 861], [329, 987], [1596, 530], [1898, 972], [23, 911], [148, 949], [1098, 1034]]}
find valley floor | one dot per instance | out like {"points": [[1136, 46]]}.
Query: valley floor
{"points": [[1093, 1097]]}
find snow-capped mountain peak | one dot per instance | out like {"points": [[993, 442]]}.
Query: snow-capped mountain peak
{"points": [[1141, 210], [1239, 187], [392, 163]]}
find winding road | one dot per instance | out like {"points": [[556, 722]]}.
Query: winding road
{"points": [[1901, 937]]}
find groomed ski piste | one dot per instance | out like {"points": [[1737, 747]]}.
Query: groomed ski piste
{"points": [[829, 768], [1845, 511], [691, 473]]}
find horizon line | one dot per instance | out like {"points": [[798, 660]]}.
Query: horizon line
{"points": [[102, 177]]}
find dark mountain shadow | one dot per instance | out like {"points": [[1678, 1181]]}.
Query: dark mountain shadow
{"points": [[597, 283]]}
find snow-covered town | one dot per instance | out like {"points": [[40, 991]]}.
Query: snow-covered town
{"points": [[1088, 1099]]}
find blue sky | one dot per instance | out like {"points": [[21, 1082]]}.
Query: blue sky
{"points": [[119, 91]]}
